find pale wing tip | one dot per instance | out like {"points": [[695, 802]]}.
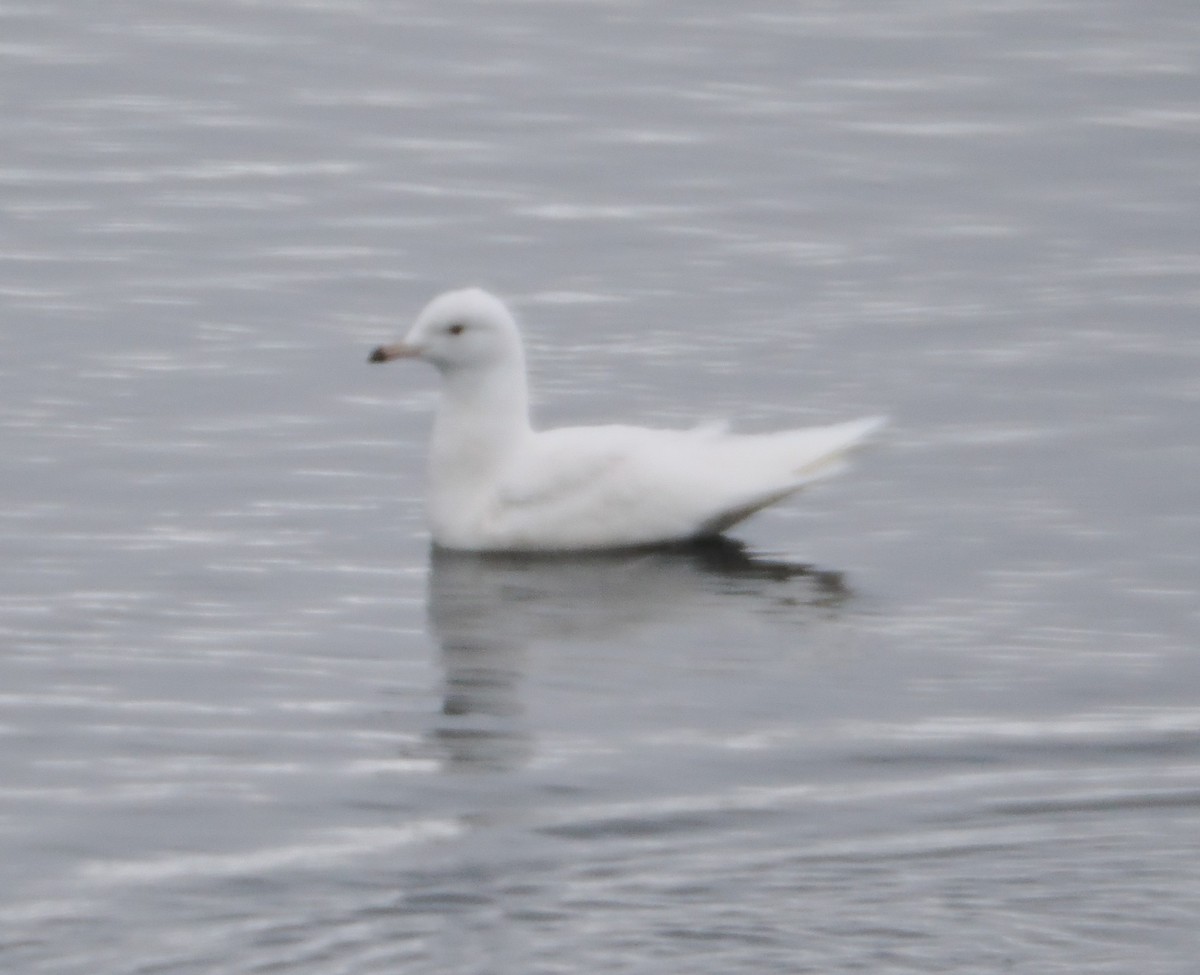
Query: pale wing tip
{"points": [[850, 436], [854, 432], [872, 424]]}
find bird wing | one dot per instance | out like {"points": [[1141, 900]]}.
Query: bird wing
{"points": [[620, 485], [590, 486], [769, 467]]}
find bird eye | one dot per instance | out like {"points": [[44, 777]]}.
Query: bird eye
{"points": [[457, 328]]}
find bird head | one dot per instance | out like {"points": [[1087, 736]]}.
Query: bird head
{"points": [[458, 330]]}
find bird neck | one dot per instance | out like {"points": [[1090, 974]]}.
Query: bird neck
{"points": [[482, 418]]}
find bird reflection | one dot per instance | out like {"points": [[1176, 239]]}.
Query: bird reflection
{"points": [[487, 610]]}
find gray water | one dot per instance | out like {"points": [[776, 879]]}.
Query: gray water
{"points": [[941, 715]]}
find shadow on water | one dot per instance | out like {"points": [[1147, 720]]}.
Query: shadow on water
{"points": [[487, 610]]}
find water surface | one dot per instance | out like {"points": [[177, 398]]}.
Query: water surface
{"points": [[940, 715]]}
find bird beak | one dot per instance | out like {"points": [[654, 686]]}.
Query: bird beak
{"points": [[400, 350]]}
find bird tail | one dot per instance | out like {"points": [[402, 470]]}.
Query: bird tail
{"points": [[769, 467], [823, 451]]}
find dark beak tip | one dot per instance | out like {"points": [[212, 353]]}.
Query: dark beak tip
{"points": [[378, 355]]}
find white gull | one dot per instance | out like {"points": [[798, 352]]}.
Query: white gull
{"points": [[496, 484]]}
